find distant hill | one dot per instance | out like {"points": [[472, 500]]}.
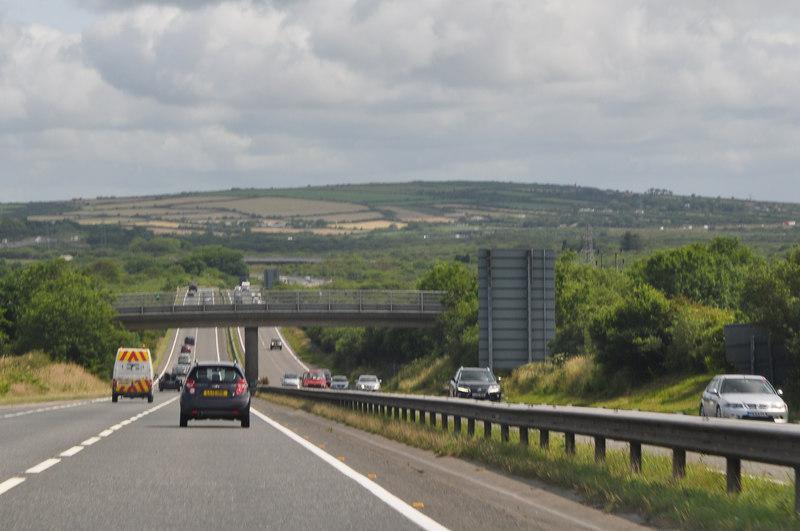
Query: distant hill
{"points": [[465, 215], [377, 205]]}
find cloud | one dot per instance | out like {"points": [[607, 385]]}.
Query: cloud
{"points": [[610, 94]]}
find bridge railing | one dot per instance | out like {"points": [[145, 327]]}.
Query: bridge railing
{"points": [[287, 300], [735, 440]]}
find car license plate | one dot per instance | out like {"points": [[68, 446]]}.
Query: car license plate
{"points": [[756, 414], [215, 392]]}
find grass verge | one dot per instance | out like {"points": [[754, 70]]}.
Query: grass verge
{"points": [[33, 377], [697, 501]]}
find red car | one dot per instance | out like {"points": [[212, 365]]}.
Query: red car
{"points": [[186, 348], [315, 378]]}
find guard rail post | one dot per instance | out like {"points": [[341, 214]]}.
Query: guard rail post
{"points": [[456, 423], [445, 427], [636, 457], [733, 471], [433, 419], [523, 436], [599, 449], [544, 438], [470, 427], [569, 443], [678, 463], [487, 429], [504, 436]]}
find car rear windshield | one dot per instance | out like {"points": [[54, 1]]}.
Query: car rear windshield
{"points": [[217, 374]]}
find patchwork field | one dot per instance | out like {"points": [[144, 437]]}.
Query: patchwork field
{"points": [[266, 213]]}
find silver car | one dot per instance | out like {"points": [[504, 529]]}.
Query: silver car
{"points": [[290, 379], [743, 396], [368, 382], [340, 382]]}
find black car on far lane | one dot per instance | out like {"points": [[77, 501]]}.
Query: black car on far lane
{"points": [[215, 390], [475, 382], [169, 380]]}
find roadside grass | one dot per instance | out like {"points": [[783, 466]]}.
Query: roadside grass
{"points": [[300, 343], [33, 377], [697, 501], [576, 381]]}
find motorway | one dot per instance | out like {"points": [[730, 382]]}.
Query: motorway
{"points": [[93, 464]]}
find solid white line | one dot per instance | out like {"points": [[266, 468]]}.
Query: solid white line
{"points": [[72, 451], [9, 484], [376, 490], [44, 465]]}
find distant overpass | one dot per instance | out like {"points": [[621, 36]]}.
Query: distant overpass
{"points": [[375, 308]]}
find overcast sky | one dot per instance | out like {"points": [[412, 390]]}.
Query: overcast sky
{"points": [[125, 97]]}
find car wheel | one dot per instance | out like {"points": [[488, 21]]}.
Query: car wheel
{"points": [[246, 422], [113, 397], [150, 397], [184, 421]]}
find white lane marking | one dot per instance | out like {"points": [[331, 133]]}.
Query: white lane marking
{"points": [[216, 341], [420, 519], [44, 465], [51, 408], [72, 451], [285, 343], [9, 484]]}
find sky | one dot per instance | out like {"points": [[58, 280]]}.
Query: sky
{"points": [[119, 98]]}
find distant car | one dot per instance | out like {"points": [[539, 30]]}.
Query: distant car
{"points": [[185, 359], [276, 343], [340, 382], [290, 379], [368, 382], [475, 382], [743, 396], [186, 348], [181, 369], [215, 390], [315, 378], [189, 340], [169, 381]]}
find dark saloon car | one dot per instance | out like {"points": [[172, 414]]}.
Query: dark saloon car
{"points": [[169, 381], [475, 382], [276, 343], [215, 390]]}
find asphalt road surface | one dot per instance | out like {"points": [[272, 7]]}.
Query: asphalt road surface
{"points": [[94, 464]]}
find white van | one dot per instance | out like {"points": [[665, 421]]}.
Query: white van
{"points": [[133, 374]]}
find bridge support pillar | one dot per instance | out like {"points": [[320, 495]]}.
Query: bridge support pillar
{"points": [[251, 355]]}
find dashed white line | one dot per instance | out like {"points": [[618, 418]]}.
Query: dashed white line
{"points": [[10, 484], [72, 451], [44, 465], [47, 463]]}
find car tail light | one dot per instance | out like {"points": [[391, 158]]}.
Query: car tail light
{"points": [[241, 385], [189, 385]]}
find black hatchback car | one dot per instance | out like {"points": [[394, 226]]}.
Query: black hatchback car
{"points": [[475, 382], [215, 390]]}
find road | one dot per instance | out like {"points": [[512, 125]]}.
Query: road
{"points": [[94, 464]]}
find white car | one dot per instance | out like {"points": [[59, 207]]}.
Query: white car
{"points": [[743, 396], [368, 382], [290, 379], [340, 382]]}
